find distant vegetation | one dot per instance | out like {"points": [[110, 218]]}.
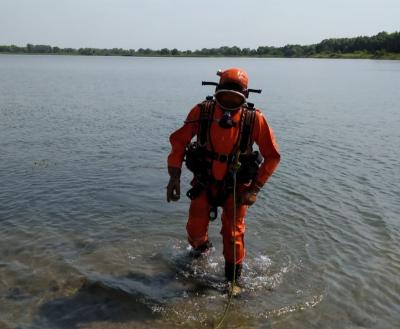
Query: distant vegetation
{"points": [[383, 45]]}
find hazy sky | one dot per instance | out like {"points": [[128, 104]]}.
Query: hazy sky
{"points": [[191, 24]]}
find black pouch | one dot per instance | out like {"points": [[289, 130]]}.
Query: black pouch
{"points": [[195, 191], [250, 164], [195, 159]]}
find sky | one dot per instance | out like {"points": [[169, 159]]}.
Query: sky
{"points": [[191, 24]]}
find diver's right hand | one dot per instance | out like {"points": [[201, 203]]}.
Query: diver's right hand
{"points": [[173, 189], [174, 184]]}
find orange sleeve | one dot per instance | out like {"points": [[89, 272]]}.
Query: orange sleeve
{"points": [[180, 138], [265, 139]]}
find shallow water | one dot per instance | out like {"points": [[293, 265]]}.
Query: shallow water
{"points": [[88, 241]]}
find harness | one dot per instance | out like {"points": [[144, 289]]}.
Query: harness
{"points": [[204, 131], [200, 155]]}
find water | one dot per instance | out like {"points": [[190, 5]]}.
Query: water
{"points": [[88, 241]]}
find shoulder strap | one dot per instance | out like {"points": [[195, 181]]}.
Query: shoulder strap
{"points": [[246, 138], [206, 115]]}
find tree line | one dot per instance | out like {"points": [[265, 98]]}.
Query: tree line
{"points": [[363, 46]]}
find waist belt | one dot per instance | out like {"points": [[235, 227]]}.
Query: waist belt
{"points": [[218, 157]]}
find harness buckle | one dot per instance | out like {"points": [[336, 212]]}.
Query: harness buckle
{"points": [[213, 214], [223, 158], [236, 166]]}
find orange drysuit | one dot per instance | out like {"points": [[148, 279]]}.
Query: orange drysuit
{"points": [[223, 141]]}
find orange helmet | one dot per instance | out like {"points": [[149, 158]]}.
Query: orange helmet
{"points": [[231, 92], [234, 75]]}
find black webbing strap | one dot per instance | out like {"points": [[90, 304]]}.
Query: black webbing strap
{"points": [[206, 115], [218, 156], [246, 138]]}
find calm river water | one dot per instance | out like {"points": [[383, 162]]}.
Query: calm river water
{"points": [[87, 239]]}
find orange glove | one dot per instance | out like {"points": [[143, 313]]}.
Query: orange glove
{"points": [[174, 184], [249, 196]]}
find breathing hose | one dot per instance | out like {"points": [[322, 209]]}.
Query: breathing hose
{"points": [[235, 167]]}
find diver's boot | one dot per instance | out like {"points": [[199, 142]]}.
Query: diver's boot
{"points": [[229, 271], [229, 267], [201, 250]]}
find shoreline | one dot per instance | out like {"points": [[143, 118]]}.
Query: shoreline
{"points": [[383, 45], [389, 56]]}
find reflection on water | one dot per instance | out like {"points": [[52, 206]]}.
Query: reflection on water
{"points": [[88, 241]]}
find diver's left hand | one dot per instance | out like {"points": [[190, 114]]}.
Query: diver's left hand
{"points": [[248, 198]]}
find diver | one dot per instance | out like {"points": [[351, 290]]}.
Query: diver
{"points": [[224, 165]]}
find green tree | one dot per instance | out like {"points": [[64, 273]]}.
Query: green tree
{"points": [[164, 52]]}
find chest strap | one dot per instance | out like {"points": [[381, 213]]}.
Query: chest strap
{"points": [[203, 135]]}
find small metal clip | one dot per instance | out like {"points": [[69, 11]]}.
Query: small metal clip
{"points": [[213, 213]]}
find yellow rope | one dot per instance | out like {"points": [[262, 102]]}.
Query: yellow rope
{"points": [[235, 167]]}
